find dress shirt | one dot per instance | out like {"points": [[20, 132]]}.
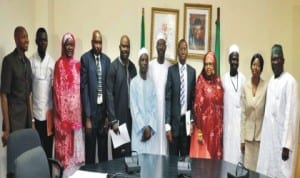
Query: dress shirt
{"points": [[184, 106], [42, 79]]}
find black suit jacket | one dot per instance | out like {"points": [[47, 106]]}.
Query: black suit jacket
{"points": [[173, 107], [118, 92], [89, 84]]}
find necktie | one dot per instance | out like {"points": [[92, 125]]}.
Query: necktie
{"points": [[182, 92], [99, 75]]}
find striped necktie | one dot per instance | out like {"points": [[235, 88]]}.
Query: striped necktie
{"points": [[182, 92], [99, 75]]}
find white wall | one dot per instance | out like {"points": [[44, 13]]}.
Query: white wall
{"points": [[254, 25]]}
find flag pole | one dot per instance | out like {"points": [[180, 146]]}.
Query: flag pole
{"points": [[218, 42], [218, 14], [143, 30]]}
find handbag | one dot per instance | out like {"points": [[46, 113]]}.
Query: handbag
{"points": [[240, 172]]}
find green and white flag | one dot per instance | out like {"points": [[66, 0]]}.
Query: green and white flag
{"points": [[143, 30]]}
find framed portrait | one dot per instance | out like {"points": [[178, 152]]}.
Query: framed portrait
{"points": [[197, 29], [164, 22]]}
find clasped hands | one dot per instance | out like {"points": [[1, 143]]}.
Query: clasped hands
{"points": [[284, 154], [146, 133], [199, 136]]}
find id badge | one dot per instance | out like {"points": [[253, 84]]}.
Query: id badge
{"points": [[100, 99]]}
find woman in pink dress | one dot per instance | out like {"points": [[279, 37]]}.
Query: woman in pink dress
{"points": [[206, 139], [69, 145]]}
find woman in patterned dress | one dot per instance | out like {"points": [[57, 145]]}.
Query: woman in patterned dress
{"points": [[69, 145]]}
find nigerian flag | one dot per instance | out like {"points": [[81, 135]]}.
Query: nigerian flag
{"points": [[143, 30], [217, 42]]}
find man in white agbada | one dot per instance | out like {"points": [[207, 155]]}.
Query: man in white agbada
{"points": [[232, 82], [158, 71], [279, 139], [143, 108]]}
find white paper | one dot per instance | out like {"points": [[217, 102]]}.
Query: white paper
{"points": [[188, 122], [80, 174], [121, 138]]}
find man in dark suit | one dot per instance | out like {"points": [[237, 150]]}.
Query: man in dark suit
{"points": [[93, 74], [179, 99], [121, 71]]}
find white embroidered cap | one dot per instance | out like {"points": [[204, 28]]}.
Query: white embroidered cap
{"points": [[233, 48], [142, 51]]}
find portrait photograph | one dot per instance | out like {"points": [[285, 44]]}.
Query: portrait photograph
{"points": [[197, 29], [164, 22]]}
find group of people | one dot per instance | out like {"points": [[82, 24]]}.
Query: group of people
{"points": [[260, 119], [166, 110]]}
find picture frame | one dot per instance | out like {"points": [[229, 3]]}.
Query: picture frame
{"points": [[164, 21], [197, 29]]}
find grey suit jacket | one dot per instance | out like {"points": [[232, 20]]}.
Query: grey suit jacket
{"points": [[173, 108]]}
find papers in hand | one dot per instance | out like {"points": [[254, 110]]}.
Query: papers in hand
{"points": [[121, 138], [80, 174], [188, 122]]}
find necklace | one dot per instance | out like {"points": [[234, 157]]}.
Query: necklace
{"points": [[237, 83]]}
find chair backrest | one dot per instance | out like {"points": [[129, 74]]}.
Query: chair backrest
{"points": [[18, 142], [32, 163]]}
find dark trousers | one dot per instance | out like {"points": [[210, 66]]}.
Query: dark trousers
{"points": [[47, 141], [90, 146], [98, 135], [124, 150], [180, 145]]}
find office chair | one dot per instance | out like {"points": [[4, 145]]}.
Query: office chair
{"points": [[18, 142], [32, 163], [21, 141]]}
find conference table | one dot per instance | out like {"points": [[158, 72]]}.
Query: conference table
{"points": [[157, 166]]}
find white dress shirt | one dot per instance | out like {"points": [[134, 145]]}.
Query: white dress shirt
{"points": [[42, 77], [184, 107]]}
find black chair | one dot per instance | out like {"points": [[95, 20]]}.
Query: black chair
{"points": [[18, 142], [21, 141], [32, 163]]}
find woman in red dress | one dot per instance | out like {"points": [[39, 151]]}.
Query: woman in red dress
{"points": [[69, 145], [206, 139]]}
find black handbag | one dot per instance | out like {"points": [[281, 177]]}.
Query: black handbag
{"points": [[240, 172]]}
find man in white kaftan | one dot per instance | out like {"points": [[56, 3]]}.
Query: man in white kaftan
{"points": [[279, 139], [158, 71], [232, 82], [143, 109]]}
